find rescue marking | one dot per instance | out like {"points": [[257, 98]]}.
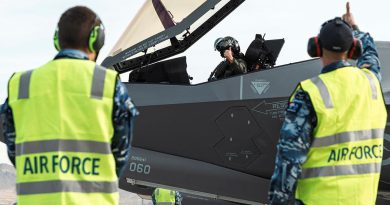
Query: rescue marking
{"points": [[274, 109], [260, 86]]}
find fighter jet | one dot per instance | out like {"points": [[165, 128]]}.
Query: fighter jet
{"points": [[215, 142]]}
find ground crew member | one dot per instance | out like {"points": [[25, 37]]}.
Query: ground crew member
{"points": [[162, 196], [68, 122], [330, 147]]}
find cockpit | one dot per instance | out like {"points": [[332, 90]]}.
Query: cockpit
{"points": [[165, 28]]}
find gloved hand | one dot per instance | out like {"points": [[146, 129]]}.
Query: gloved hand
{"points": [[228, 54]]}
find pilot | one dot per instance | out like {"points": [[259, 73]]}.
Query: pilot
{"points": [[234, 63], [162, 196], [330, 146], [68, 123]]}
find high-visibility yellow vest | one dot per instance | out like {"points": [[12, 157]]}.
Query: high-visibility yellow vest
{"points": [[63, 120], [344, 160], [164, 196]]}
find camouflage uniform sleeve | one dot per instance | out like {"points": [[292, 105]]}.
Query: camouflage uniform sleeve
{"points": [[153, 198], [124, 113], [8, 130], [179, 198], [292, 148], [369, 58]]}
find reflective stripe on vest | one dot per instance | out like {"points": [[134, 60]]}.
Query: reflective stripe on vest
{"points": [[323, 92], [373, 86], [99, 74], [346, 150], [348, 137], [350, 169], [24, 85], [63, 122], [165, 203], [63, 146], [66, 186]]}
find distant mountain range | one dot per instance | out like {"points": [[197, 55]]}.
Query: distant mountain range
{"points": [[7, 176], [7, 184]]}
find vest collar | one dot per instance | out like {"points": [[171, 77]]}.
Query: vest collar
{"points": [[71, 53], [335, 65]]}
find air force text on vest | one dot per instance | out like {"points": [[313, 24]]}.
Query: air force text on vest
{"points": [[356, 152], [64, 164]]}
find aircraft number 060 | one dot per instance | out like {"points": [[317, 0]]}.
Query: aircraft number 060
{"points": [[139, 168]]}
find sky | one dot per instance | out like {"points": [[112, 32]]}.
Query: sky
{"points": [[27, 29]]}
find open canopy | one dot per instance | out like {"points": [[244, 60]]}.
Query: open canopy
{"points": [[163, 28], [151, 18]]}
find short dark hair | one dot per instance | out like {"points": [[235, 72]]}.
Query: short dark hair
{"points": [[75, 26]]}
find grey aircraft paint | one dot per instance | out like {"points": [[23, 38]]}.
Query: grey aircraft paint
{"points": [[195, 138], [215, 141], [386, 161]]}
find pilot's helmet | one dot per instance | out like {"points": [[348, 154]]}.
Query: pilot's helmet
{"points": [[222, 44], [216, 42]]}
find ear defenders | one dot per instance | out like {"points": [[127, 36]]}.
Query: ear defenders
{"points": [[95, 40], [314, 47], [56, 40]]}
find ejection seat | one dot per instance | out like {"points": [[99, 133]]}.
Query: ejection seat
{"points": [[262, 53], [173, 71]]}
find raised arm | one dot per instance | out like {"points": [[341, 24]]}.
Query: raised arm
{"points": [[369, 58]]}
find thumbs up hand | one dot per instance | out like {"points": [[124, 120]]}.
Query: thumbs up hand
{"points": [[348, 17]]}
